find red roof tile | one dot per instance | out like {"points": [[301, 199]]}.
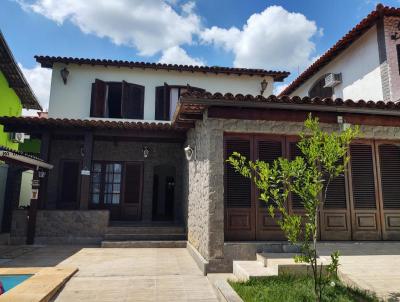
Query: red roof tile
{"points": [[342, 44], [48, 61]]}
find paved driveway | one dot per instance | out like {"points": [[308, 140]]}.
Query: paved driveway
{"points": [[369, 265], [135, 275]]}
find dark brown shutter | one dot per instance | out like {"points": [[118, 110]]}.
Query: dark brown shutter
{"points": [[97, 105], [336, 195], [294, 151], [132, 101], [162, 103], [237, 188], [69, 183], [389, 159], [133, 185], [362, 176]]}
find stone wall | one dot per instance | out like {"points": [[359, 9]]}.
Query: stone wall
{"points": [[206, 174], [57, 226]]}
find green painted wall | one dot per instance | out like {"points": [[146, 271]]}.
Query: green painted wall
{"points": [[10, 105]]}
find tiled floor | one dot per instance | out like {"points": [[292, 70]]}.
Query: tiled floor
{"points": [[124, 274], [370, 265]]}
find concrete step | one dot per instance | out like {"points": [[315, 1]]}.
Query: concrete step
{"points": [[144, 236], [146, 230], [144, 244], [246, 270], [274, 259]]}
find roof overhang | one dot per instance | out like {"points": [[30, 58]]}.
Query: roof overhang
{"points": [[21, 159], [192, 106]]}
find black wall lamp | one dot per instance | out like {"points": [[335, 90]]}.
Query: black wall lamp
{"points": [[264, 85], [64, 75]]}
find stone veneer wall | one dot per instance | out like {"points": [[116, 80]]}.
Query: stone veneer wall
{"points": [[206, 174], [58, 226], [390, 27]]}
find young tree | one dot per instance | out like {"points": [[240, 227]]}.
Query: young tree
{"points": [[324, 157]]}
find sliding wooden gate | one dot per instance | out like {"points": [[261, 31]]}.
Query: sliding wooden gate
{"points": [[362, 204]]}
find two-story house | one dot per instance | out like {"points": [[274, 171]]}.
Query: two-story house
{"points": [[137, 146], [15, 94], [363, 64]]}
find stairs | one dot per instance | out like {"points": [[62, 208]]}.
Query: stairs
{"points": [[269, 264], [144, 236]]}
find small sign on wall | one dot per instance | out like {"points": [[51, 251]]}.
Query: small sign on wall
{"points": [[85, 172], [35, 194]]}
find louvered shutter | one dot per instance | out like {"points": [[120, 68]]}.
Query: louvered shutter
{"points": [[389, 159], [132, 101], [294, 151], [362, 174], [268, 151], [162, 103], [336, 195], [237, 188], [98, 101]]}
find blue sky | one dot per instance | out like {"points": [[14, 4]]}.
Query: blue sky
{"points": [[278, 35]]}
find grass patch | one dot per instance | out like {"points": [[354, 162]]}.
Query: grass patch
{"points": [[288, 288]]}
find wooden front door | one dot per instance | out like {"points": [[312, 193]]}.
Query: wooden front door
{"points": [[69, 189], [131, 208]]}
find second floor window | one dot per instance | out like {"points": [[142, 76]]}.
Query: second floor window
{"points": [[167, 97], [319, 89], [117, 100]]}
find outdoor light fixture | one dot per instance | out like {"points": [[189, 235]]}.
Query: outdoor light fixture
{"points": [[189, 151], [146, 152], [264, 85], [41, 173], [64, 75]]}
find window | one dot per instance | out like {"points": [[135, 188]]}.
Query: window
{"points": [[167, 97], [117, 100], [318, 89], [106, 183]]}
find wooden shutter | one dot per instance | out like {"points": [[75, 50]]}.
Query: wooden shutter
{"points": [[389, 159], [98, 101], [362, 176], [237, 187], [336, 195], [69, 184], [132, 105], [162, 103], [133, 183], [294, 151]]}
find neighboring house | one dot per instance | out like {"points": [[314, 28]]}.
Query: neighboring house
{"points": [[15, 94], [364, 64], [135, 144]]}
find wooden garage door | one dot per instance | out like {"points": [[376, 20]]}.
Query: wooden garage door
{"points": [[389, 174], [364, 192]]}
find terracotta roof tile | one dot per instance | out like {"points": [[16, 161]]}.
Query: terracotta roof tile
{"points": [[48, 61], [342, 44]]}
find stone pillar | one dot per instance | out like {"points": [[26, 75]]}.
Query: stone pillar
{"points": [[85, 176]]}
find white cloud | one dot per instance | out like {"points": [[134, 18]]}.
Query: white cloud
{"points": [[279, 88], [148, 25], [177, 55], [39, 79], [272, 39]]}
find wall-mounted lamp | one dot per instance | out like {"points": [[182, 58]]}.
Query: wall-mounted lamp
{"points": [[264, 85], [146, 152], [189, 151], [64, 75]]}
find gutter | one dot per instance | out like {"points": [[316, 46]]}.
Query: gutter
{"points": [[286, 106], [25, 159]]}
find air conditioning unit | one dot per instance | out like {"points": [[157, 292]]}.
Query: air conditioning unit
{"points": [[333, 79], [18, 137]]}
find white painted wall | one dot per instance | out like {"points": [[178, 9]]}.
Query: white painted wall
{"points": [[73, 100], [360, 68]]}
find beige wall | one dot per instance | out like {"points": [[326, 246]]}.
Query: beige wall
{"points": [[73, 100]]}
